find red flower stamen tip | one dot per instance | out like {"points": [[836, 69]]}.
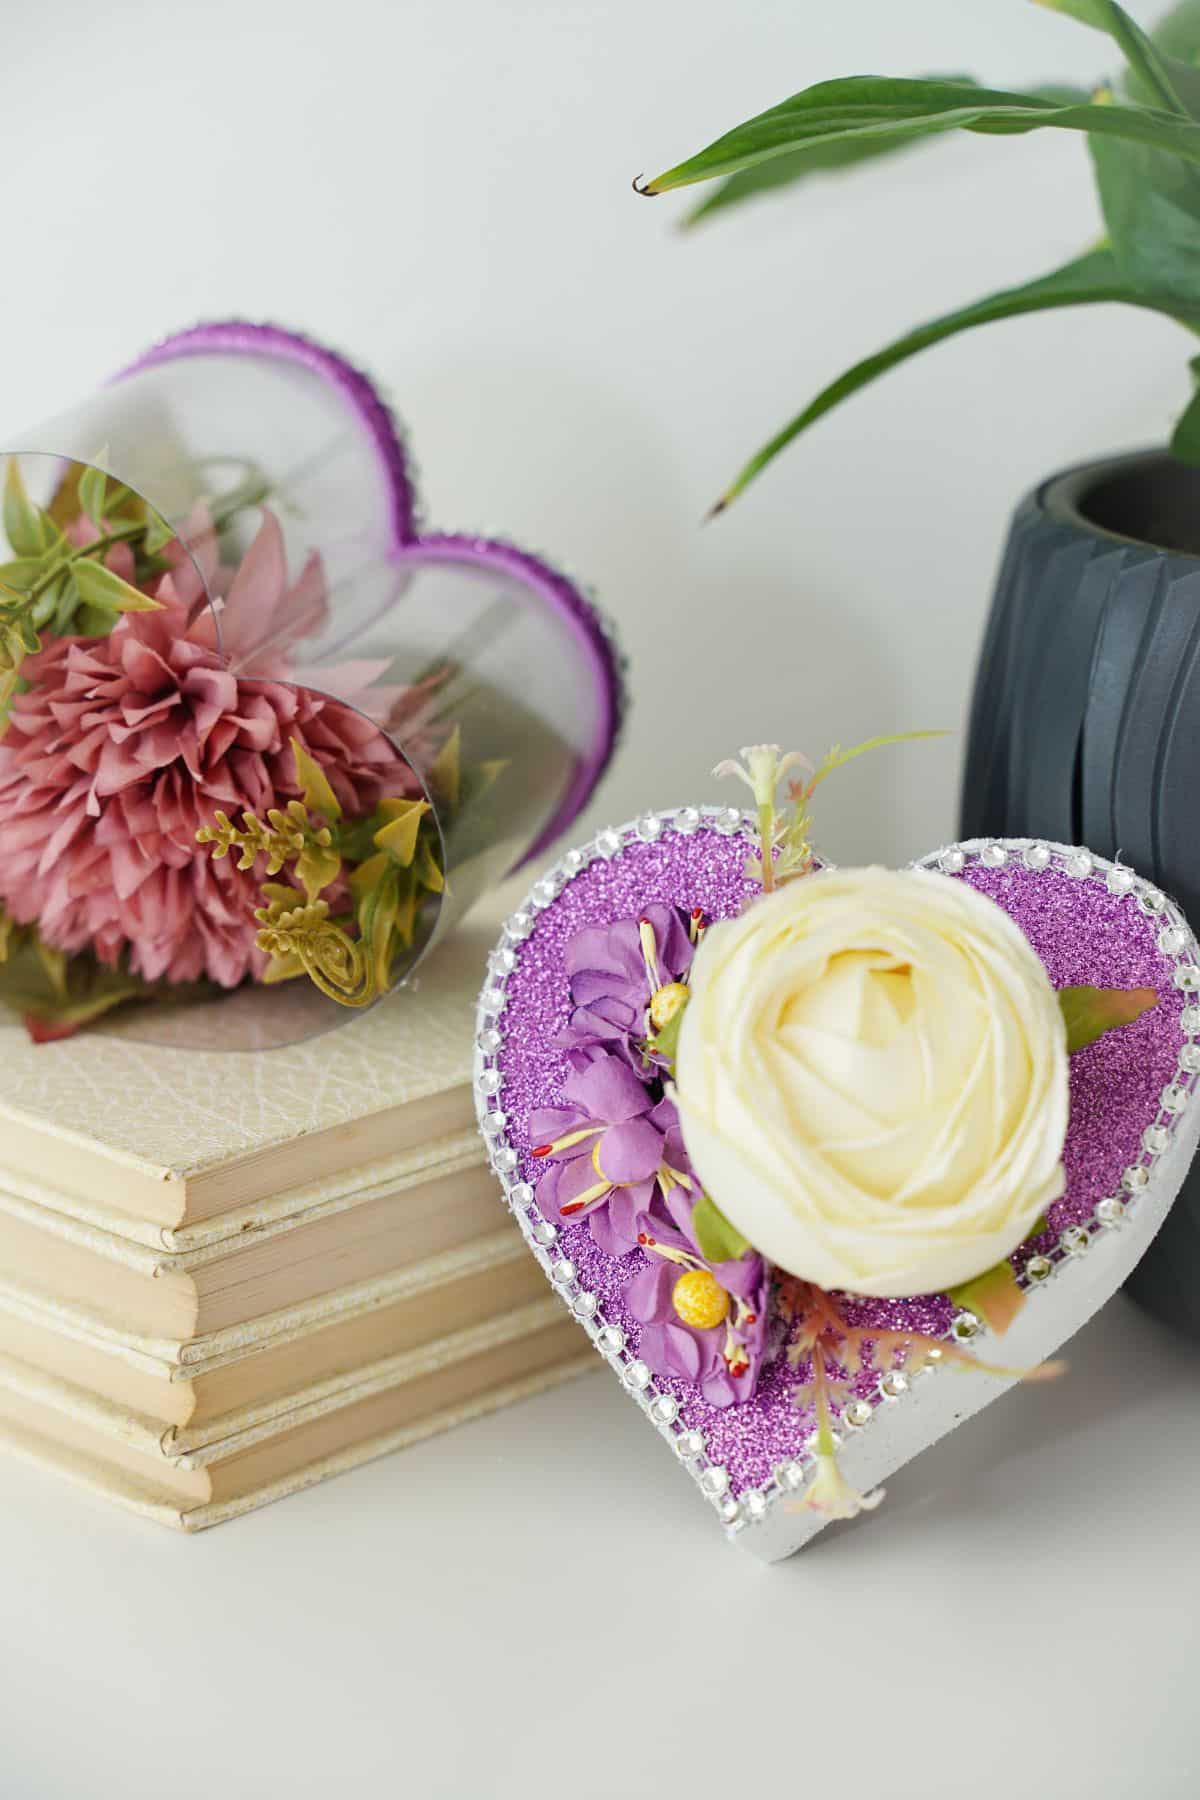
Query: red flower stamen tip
{"points": [[751, 1319], [541, 1150], [697, 915], [572, 1206], [643, 922]]}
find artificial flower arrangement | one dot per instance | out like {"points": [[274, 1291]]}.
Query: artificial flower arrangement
{"points": [[253, 731], [789, 1139]]}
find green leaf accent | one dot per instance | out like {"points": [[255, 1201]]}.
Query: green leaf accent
{"points": [[996, 1296], [399, 835], [93, 492], [158, 534], [23, 521], [1089, 1012], [99, 587], [377, 911], [895, 109], [319, 797], [666, 1042], [1088, 281], [719, 1241], [794, 166]]}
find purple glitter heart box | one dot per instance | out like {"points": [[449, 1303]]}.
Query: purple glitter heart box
{"points": [[705, 1337]]}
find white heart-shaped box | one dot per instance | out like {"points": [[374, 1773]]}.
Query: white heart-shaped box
{"points": [[1135, 1127]]}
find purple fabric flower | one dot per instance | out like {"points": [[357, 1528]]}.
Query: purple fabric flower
{"points": [[701, 1323], [615, 973], [605, 1148]]}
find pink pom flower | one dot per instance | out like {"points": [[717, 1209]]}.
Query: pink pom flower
{"points": [[123, 746]]}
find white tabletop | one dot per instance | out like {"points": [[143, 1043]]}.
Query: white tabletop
{"points": [[539, 1605]]}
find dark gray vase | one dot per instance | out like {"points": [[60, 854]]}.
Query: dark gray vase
{"points": [[1085, 723]]}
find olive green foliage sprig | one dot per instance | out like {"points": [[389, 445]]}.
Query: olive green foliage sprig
{"points": [[1141, 128], [53, 586], [390, 859]]}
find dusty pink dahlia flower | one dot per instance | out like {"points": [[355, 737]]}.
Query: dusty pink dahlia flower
{"points": [[124, 745]]}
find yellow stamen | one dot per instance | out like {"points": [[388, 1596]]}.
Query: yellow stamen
{"points": [[700, 1300], [666, 1003]]}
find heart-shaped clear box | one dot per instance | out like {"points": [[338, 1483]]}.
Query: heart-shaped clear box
{"points": [[257, 449], [1135, 1123]]}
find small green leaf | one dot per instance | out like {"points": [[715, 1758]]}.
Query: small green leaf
{"points": [[996, 1296], [319, 797], [719, 1241], [93, 621], [666, 1042], [98, 586], [23, 521], [316, 869], [1089, 1012], [22, 573], [376, 919], [93, 491], [399, 835], [158, 534]]}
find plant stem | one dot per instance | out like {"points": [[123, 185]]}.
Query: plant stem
{"points": [[766, 844]]}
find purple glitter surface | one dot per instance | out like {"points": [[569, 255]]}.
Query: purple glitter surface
{"points": [[1088, 937], [1083, 934]]}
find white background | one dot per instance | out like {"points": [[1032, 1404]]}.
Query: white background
{"points": [[539, 1606]]}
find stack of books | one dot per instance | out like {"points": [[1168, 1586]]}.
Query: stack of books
{"points": [[224, 1277]]}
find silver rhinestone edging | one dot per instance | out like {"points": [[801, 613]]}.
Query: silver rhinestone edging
{"points": [[660, 1406], [1032, 856]]}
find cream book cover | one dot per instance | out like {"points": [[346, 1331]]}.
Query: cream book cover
{"points": [[288, 1352], [177, 1136], [447, 1199], [45, 1425]]}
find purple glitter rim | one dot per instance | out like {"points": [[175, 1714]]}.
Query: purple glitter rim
{"points": [[1083, 928], [556, 590]]}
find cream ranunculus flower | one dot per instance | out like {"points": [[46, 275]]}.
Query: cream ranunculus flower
{"points": [[872, 1080]]}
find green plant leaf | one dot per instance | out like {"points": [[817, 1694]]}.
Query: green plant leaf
{"points": [[831, 159], [23, 521], [864, 108], [399, 835], [1153, 81], [719, 1241], [666, 1042], [99, 587], [1177, 33], [1088, 281], [996, 1296], [158, 534], [1151, 207], [1185, 440], [1089, 1012], [313, 782], [93, 492], [21, 573]]}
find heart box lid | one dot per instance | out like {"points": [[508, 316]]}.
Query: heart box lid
{"points": [[1134, 1122]]}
